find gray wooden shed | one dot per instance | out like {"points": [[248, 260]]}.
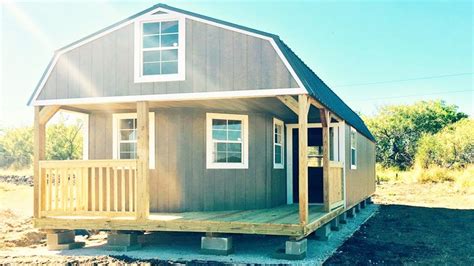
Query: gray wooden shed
{"points": [[197, 125]]}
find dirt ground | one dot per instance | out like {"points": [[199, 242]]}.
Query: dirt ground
{"points": [[428, 224], [416, 224]]}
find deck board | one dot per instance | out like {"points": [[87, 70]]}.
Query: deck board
{"points": [[282, 220]]}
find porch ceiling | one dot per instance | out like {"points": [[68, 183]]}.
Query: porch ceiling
{"points": [[269, 105]]}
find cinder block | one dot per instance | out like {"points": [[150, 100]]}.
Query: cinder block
{"points": [[362, 204], [369, 200], [119, 241], [60, 237], [335, 224], [294, 250], [62, 240], [351, 213], [216, 245], [357, 208], [66, 246], [323, 232], [343, 218]]}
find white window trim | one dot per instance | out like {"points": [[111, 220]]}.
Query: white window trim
{"points": [[115, 125], [138, 54], [209, 142], [281, 165], [353, 166]]}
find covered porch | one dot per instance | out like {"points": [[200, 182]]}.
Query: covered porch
{"points": [[115, 194]]}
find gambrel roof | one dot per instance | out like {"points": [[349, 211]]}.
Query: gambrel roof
{"points": [[305, 77]]}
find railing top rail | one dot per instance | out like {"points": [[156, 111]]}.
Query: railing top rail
{"points": [[88, 163]]}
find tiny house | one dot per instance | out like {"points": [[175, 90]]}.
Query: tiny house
{"points": [[197, 125]]}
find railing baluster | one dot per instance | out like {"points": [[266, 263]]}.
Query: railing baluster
{"points": [[48, 188], [122, 177], [108, 200], [56, 188], [101, 189], [93, 179], [115, 189], [130, 190], [136, 188]]}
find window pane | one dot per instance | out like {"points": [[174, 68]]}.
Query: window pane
{"points": [[220, 157], [353, 159], [170, 40], [219, 134], [331, 143], [151, 41], [151, 28], [169, 27], [151, 68], [235, 124], [219, 124], [169, 67], [235, 135], [221, 147], [128, 123], [128, 148], [278, 157], [169, 55], [128, 134], [234, 157], [125, 155], [234, 147], [151, 56]]}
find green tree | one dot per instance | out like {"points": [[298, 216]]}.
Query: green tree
{"points": [[64, 142], [453, 146], [398, 128], [16, 147]]}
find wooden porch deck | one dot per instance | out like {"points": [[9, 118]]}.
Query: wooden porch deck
{"points": [[282, 220]]}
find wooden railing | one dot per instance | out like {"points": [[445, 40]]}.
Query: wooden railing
{"points": [[88, 188], [336, 189]]}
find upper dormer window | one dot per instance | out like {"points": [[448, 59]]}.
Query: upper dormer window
{"points": [[159, 49]]}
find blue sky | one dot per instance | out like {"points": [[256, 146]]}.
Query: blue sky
{"points": [[349, 44]]}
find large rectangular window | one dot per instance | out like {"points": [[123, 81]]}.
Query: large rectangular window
{"points": [[227, 144], [278, 143], [353, 148], [125, 136], [160, 45], [159, 49]]}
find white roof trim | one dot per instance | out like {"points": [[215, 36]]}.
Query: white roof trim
{"points": [[125, 23], [175, 97]]}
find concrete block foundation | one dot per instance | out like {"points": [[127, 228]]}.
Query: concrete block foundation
{"points": [[335, 224], [343, 218], [215, 245], [294, 250], [123, 241], [362, 204], [62, 240], [323, 233], [357, 208], [351, 213]]}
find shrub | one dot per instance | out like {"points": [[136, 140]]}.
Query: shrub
{"points": [[452, 147], [434, 174]]}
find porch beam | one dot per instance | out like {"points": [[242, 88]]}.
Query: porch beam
{"points": [[318, 105], [290, 102], [47, 112], [325, 121], [303, 158], [143, 173]]}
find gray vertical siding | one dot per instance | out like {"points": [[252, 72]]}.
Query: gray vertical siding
{"points": [[360, 182], [217, 59], [181, 182]]}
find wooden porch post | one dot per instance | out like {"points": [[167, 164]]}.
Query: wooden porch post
{"points": [[143, 173], [303, 107], [42, 116], [325, 121]]}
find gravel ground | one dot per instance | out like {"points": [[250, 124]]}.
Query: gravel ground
{"points": [[184, 248], [17, 179]]}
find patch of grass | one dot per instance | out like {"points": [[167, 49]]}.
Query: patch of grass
{"points": [[462, 177]]}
